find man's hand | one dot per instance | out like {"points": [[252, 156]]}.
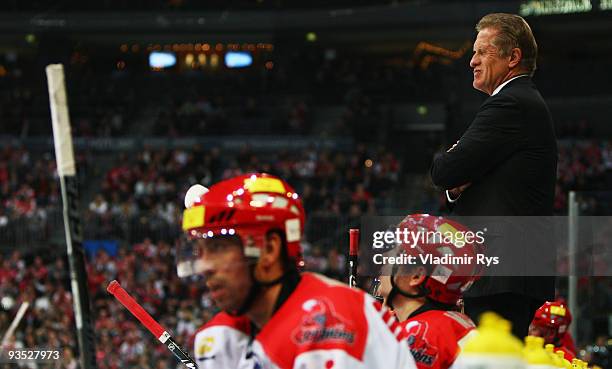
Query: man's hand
{"points": [[455, 192]]}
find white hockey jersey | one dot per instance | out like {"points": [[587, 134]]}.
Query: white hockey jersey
{"points": [[323, 324], [222, 342]]}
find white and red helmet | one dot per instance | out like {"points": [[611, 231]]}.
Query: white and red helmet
{"points": [[248, 206], [445, 282], [551, 321]]}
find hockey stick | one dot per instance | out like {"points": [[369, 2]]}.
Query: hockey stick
{"points": [[66, 169], [353, 258], [115, 289], [9, 332]]}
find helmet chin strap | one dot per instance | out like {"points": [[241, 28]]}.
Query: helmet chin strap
{"points": [[257, 287], [395, 290]]}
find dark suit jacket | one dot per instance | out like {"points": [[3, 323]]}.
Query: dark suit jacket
{"points": [[509, 153]]}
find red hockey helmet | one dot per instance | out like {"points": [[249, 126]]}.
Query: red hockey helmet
{"points": [[248, 206], [551, 321], [437, 237]]}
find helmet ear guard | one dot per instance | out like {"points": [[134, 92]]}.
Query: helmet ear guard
{"points": [[194, 194]]}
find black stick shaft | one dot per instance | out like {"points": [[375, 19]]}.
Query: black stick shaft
{"points": [[179, 354]]}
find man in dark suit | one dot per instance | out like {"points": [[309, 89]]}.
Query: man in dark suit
{"points": [[505, 163]]}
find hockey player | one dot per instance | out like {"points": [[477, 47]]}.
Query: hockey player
{"points": [[551, 322], [243, 236], [425, 297]]}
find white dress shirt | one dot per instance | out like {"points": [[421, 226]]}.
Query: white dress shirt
{"points": [[505, 83]]}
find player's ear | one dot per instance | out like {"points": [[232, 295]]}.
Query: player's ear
{"points": [[515, 57], [271, 253], [418, 276]]}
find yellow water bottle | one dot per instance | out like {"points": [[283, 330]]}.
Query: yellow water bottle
{"points": [[566, 363], [535, 355], [550, 350], [491, 347]]}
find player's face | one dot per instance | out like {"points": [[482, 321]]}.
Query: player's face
{"points": [[488, 67], [227, 272]]}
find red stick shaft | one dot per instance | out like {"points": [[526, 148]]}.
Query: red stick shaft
{"points": [[352, 259], [354, 242], [141, 314]]}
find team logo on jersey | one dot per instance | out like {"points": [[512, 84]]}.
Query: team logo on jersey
{"points": [[322, 324], [421, 350], [205, 346]]}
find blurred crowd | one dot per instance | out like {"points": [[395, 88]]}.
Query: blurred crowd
{"points": [[29, 188], [49, 322], [585, 165], [142, 195], [29, 193], [28, 183]]}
